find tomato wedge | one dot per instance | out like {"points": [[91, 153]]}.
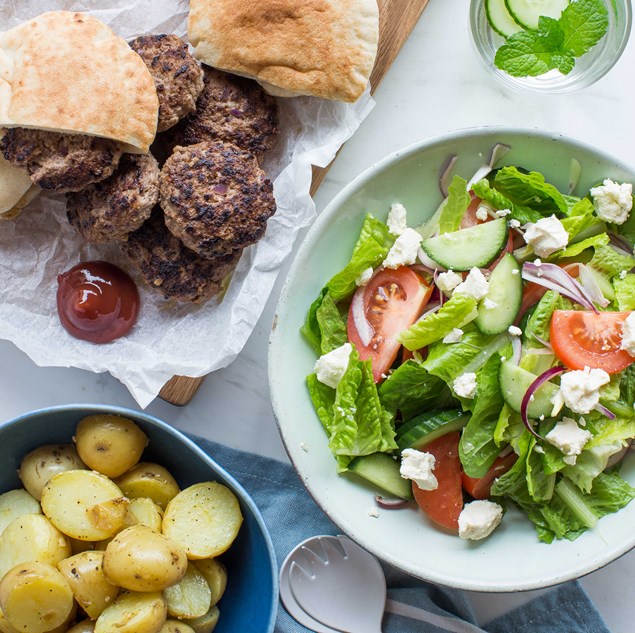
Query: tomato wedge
{"points": [[444, 504], [480, 487], [392, 301], [582, 338]]}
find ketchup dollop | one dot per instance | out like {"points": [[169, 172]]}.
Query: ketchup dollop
{"points": [[97, 301]]}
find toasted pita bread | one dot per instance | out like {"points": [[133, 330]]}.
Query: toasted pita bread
{"points": [[68, 72], [16, 190], [325, 48]]}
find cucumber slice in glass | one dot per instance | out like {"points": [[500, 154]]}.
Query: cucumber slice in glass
{"points": [[464, 249], [500, 19], [527, 12]]}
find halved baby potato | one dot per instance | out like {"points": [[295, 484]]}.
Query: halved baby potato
{"points": [[14, 504], [203, 519], [85, 626], [84, 504], [149, 480], [146, 512], [134, 612], [215, 574], [171, 626], [191, 597], [207, 623]]}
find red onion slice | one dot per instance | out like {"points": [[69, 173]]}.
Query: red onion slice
{"points": [[445, 174], [364, 328], [587, 281], [544, 377], [498, 151], [600, 408], [620, 243], [542, 341], [555, 278], [517, 348], [430, 308], [575, 171], [428, 262], [389, 503]]}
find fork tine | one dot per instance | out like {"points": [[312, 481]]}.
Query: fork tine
{"points": [[311, 557], [295, 568], [332, 548]]}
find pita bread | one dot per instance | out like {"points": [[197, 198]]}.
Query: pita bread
{"points": [[68, 72], [16, 190], [325, 48]]}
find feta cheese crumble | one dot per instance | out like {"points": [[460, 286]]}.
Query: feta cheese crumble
{"points": [[373, 512], [580, 389], [447, 282], [404, 250], [475, 285], [465, 385], [501, 213], [418, 466], [364, 277], [514, 223], [330, 368], [479, 519], [514, 330], [482, 214], [628, 334], [612, 201], [397, 222], [568, 438], [489, 304], [454, 336], [546, 236]]}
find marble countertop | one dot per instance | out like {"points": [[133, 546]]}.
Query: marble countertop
{"points": [[436, 85]]}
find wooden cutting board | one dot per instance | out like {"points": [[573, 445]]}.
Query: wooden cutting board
{"points": [[397, 18]]}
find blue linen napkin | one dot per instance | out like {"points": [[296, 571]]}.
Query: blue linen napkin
{"points": [[413, 606]]}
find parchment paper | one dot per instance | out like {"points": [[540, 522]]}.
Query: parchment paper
{"points": [[169, 339]]}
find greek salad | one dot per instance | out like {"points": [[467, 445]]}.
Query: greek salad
{"points": [[486, 357]]}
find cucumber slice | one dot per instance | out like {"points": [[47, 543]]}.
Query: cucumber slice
{"points": [[500, 19], [499, 308], [514, 382], [527, 12], [464, 249], [427, 427], [383, 471]]}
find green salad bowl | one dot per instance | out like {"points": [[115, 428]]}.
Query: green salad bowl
{"points": [[512, 558]]}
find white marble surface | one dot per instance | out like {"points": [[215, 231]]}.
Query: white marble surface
{"points": [[436, 85]]}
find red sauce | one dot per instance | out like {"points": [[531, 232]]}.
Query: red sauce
{"points": [[97, 302]]}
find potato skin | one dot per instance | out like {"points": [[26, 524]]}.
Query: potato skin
{"points": [[140, 559], [85, 626], [174, 626], [151, 480], [109, 444], [38, 466]]}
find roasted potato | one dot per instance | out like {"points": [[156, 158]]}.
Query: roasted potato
{"points": [[88, 582], [203, 519], [191, 597], [133, 613], [141, 559], [172, 626], [207, 623], [146, 512], [84, 504], [41, 464], [109, 444], [14, 504], [215, 574], [32, 537], [149, 480], [35, 597]]}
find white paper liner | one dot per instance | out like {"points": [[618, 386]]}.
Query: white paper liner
{"points": [[169, 339]]}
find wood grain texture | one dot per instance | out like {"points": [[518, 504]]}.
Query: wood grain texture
{"points": [[397, 18]]}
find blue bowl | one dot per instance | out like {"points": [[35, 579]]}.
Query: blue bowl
{"points": [[251, 598]]}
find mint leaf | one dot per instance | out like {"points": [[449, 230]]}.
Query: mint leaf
{"points": [[533, 53], [583, 24]]}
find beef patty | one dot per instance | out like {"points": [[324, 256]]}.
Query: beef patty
{"points": [[177, 75], [231, 109], [60, 162], [216, 197], [108, 210], [172, 269]]}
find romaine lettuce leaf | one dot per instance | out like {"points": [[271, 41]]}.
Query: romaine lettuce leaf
{"points": [[455, 312], [590, 463], [575, 249], [332, 325], [477, 448], [412, 390], [581, 220], [496, 199], [323, 398], [454, 206], [625, 292], [608, 261], [311, 328]]}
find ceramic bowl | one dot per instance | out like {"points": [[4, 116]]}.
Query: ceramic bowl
{"points": [[512, 558], [251, 598]]}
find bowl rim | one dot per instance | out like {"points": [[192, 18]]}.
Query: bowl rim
{"points": [[180, 436], [309, 240]]}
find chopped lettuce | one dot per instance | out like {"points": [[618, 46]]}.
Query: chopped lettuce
{"points": [[625, 292], [454, 206], [574, 250], [454, 313], [412, 390], [332, 325], [311, 328], [582, 221], [496, 199], [611, 263]]}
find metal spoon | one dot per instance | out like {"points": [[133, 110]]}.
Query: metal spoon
{"points": [[338, 584]]}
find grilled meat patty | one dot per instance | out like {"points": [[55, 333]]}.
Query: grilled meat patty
{"points": [[172, 269], [60, 162], [216, 198], [177, 75], [231, 109], [108, 210]]}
